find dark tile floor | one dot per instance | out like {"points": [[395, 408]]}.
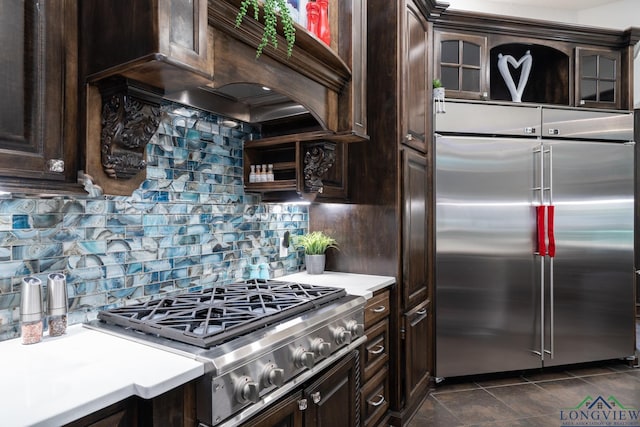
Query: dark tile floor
{"points": [[531, 399]]}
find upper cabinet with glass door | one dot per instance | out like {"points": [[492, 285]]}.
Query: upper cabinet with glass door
{"points": [[460, 64], [598, 78], [484, 57]]}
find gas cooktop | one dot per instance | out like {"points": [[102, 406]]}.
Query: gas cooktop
{"points": [[215, 315]]}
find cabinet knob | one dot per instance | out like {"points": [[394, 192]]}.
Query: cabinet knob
{"points": [[409, 137], [316, 397], [302, 404]]}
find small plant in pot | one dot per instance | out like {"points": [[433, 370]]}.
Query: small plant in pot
{"points": [[315, 245]]}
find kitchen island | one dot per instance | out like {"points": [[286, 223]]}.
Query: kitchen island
{"points": [[62, 379]]}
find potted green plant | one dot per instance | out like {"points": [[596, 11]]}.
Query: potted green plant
{"points": [[315, 245], [438, 90], [271, 9]]}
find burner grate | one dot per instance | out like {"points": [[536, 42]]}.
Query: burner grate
{"points": [[215, 315]]}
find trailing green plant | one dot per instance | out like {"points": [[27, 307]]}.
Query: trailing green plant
{"points": [[271, 8], [315, 243], [437, 83]]}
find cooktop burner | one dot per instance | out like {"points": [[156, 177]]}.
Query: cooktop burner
{"points": [[213, 316]]}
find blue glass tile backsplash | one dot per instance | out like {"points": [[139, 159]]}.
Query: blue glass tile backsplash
{"points": [[188, 226]]}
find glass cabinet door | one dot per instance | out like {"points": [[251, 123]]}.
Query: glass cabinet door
{"points": [[461, 64], [598, 78]]}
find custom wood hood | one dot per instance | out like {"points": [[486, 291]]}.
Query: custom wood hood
{"points": [[135, 54]]}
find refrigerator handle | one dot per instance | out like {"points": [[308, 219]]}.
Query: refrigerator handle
{"points": [[540, 216], [550, 230], [552, 253]]}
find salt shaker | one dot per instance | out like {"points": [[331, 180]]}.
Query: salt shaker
{"points": [[57, 304], [31, 310]]}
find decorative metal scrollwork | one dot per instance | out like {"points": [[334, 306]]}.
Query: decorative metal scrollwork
{"points": [[130, 117], [318, 159]]}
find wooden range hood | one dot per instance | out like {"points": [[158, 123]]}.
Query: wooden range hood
{"points": [[141, 53]]}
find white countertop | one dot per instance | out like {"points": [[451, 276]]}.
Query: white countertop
{"points": [[355, 284], [64, 378], [61, 379]]}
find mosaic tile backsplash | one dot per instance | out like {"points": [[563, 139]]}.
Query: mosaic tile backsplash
{"points": [[189, 226]]}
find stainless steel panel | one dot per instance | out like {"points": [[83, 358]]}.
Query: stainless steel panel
{"points": [[587, 124], [593, 194], [491, 119], [487, 298]]}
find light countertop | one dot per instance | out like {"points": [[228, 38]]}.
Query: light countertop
{"points": [[61, 379], [64, 378], [355, 284]]}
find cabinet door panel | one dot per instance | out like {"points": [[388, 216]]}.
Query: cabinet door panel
{"points": [[598, 78], [461, 64], [38, 90], [285, 413], [417, 109], [418, 356], [333, 398], [414, 217]]}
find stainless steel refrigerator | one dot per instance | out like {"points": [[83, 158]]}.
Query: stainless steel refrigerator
{"points": [[534, 241]]}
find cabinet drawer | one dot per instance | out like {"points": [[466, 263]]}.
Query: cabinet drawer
{"points": [[375, 398], [376, 309], [376, 349]]}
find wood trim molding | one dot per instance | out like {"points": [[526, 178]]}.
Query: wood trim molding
{"points": [[544, 30]]}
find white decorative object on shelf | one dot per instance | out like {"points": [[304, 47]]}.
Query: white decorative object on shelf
{"points": [[503, 65]]}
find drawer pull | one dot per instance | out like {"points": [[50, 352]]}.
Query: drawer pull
{"points": [[378, 403], [378, 349], [380, 309], [421, 312]]}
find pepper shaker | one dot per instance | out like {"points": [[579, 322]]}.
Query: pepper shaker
{"points": [[57, 304], [31, 310]]}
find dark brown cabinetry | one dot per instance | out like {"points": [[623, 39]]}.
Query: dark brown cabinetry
{"points": [[170, 52], [121, 414], [193, 53], [175, 408], [310, 166], [375, 361], [415, 256], [574, 66], [38, 88], [330, 400], [418, 347], [598, 78], [415, 91], [460, 64], [384, 231]]}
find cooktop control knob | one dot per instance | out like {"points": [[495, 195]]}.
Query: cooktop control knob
{"points": [[320, 347], [303, 358], [356, 329], [272, 375], [247, 390], [341, 336]]}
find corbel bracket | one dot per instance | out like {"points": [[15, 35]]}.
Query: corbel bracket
{"points": [[130, 117], [318, 159]]}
